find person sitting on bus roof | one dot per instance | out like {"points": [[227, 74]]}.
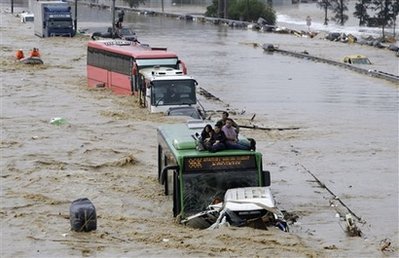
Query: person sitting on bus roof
{"points": [[225, 115], [206, 136], [35, 52], [232, 141], [218, 139], [19, 54]]}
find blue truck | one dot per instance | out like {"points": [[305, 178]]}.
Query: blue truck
{"points": [[52, 18]]}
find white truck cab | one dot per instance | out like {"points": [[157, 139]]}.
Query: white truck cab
{"points": [[162, 88]]}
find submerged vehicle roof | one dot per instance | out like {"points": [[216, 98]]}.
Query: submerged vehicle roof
{"points": [[130, 48], [184, 111], [356, 59]]}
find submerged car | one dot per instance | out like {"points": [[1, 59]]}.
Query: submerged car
{"points": [[356, 59], [247, 206], [184, 111], [126, 34], [120, 33]]}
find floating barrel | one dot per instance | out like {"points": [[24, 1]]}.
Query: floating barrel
{"points": [[82, 215]]}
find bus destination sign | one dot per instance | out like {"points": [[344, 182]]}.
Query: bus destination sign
{"points": [[197, 164]]}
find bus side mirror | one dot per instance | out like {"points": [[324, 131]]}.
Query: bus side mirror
{"points": [[266, 178], [164, 177], [164, 173], [195, 83]]}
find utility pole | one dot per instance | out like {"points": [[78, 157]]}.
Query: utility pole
{"points": [[12, 6], [113, 18], [76, 17], [225, 9], [247, 7], [162, 6], [220, 8]]}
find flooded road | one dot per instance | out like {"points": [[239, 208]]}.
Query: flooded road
{"points": [[348, 139], [349, 121]]}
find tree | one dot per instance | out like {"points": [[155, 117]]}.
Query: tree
{"points": [[134, 3], [248, 10], [385, 12], [339, 7], [325, 5], [361, 11], [213, 9]]}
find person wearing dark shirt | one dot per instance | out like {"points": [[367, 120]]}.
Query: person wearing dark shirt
{"points": [[218, 139], [206, 136]]}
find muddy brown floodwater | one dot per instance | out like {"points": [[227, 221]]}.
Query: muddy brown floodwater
{"points": [[106, 151]]}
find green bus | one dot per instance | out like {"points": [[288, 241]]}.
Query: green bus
{"points": [[195, 179]]}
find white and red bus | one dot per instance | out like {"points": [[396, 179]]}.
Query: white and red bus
{"points": [[116, 64]]}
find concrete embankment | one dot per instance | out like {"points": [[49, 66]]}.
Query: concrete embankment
{"points": [[374, 73]]}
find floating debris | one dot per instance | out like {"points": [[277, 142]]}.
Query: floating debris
{"points": [[351, 227], [58, 121]]}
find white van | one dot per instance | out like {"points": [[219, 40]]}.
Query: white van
{"points": [[27, 17]]}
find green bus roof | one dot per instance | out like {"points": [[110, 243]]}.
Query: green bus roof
{"points": [[181, 139]]}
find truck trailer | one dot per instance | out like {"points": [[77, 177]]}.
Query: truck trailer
{"points": [[52, 18]]}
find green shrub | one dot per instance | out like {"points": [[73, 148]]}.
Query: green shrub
{"points": [[246, 10]]}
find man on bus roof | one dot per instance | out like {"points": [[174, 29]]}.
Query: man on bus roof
{"points": [[218, 139], [225, 116], [232, 141]]}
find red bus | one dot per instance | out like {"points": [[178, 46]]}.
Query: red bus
{"points": [[115, 64]]}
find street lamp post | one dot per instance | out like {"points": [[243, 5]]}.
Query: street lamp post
{"points": [[76, 17], [113, 18]]}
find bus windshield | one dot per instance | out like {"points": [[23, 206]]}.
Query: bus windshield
{"points": [[207, 178], [173, 92], [201, 189], [170, 62]]}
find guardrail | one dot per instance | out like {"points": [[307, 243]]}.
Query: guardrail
{"points": [[373, 73]]}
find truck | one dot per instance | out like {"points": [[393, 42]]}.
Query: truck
{"points": [[52, 18], [163, 88]]}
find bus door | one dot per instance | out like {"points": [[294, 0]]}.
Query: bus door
{"points": [[168, 175], [133, 78], [142, 90], [109, 79]]}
